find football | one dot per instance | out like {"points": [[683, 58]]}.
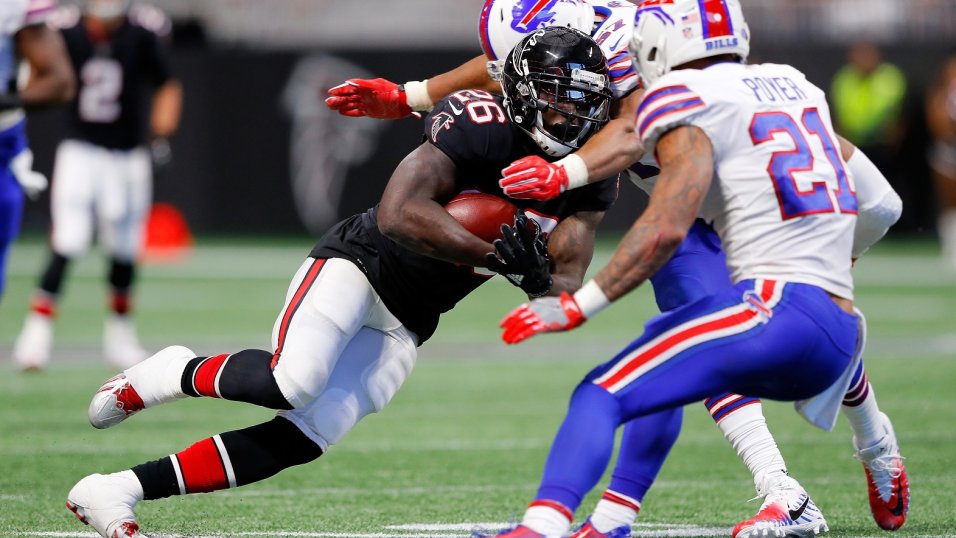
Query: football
{"points": [[482, 214]]}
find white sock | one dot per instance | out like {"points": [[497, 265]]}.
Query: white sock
{"points": [[134, 488], [866, 420], [746, 429], [609, 515], [546, 520], [158, 379]]}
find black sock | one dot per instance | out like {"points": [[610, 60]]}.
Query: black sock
{"points": [[245, 376], [227, 460]]}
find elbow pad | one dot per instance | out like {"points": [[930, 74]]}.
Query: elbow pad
{"points": [[879, 205], [873, 222]]}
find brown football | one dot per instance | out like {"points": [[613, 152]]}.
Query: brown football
{"points": [[482, 214]]}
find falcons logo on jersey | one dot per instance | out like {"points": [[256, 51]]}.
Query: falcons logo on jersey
{"points": [[441, 121]]}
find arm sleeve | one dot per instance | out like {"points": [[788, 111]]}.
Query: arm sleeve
{"points": [[879, 205]]}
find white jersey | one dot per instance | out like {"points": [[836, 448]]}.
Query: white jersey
{"points": [[781, 199], [613, 26]]}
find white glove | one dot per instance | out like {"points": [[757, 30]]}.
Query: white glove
{"points": [[33, 183]]}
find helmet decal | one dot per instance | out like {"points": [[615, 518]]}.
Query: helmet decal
{"points": [[718, 23], [525, 17]]}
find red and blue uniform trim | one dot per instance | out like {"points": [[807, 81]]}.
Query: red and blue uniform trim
{"points": [[724, 404], [663, 102], [736, 319]]}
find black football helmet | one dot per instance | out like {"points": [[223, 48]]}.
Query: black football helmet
{"points": [[556, 88]]}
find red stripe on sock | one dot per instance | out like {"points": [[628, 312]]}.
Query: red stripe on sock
{"points": [[43, 304], [202, 467], [617, 499], [555, 506], [120, 303], [205, 377]]}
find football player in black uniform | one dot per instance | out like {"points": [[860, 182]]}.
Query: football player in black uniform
{"points": [[373, 288], [102, 176]]}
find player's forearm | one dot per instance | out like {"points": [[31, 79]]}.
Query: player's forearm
{"points": [[423, 226], [167, 109], [51, 76], [470, 75], [687, 167], [611, 150]]}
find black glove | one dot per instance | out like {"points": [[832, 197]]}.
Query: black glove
{"points": [[522, 257]]}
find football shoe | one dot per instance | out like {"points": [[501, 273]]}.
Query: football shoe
{"points": [[153, 381], [886, 479], [105, 502], [31, 351], [121, 347], [519, 531], [787, 511], [587, 530]]}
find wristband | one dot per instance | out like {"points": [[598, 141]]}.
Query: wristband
{"points": [[591, 299], [576, 170], [416, 95]]}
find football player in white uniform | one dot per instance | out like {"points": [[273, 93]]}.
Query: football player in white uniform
{"points": [[102, 174], [694, 271], [25, 36], [751, 150]]}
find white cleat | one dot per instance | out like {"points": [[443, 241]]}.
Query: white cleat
{"points": [[787, 511], [151, 382], [121, 347], [106, 502], [113, 403], [31, 351]]}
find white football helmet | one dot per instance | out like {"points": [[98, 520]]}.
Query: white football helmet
{"points": [[503, 23], [669, 33]]}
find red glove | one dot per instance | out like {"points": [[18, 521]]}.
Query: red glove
{"points": [[534, 178], [375, 98], [547, 314]]}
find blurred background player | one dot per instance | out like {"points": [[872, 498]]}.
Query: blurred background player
{"points": [[371, 291], [697, 269], [941, 119], [102, 176], [25, 36]]}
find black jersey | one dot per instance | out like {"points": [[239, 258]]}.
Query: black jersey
{"points": [[115, 76], [471, 128]]}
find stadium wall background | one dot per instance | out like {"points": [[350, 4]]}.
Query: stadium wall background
{"points": [[232, 167]]}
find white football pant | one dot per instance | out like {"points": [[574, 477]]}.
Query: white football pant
{"points": [[342, 354], [111, 187]]}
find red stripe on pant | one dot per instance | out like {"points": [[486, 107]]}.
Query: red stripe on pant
{"points": [[310, 276], [205, 377], [202, 467]]}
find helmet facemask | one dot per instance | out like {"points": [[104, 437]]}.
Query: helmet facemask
{"points": [[562, 101]]}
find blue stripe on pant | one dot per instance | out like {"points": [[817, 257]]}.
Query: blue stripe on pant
{"points": [[799, 351]]}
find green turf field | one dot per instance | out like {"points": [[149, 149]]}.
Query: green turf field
{"points": [[465, 440]]}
